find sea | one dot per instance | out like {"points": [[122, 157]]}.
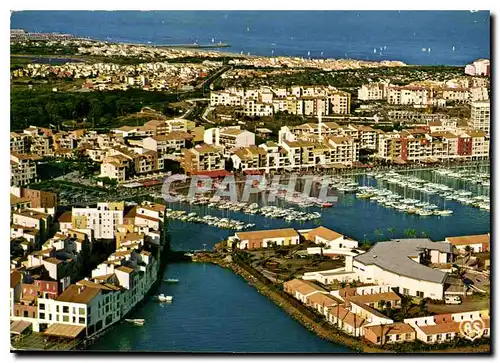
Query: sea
{"points": [[213, 309], [414, 37]]}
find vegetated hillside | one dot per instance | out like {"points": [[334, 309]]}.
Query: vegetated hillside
{"points": [[41, 108]]}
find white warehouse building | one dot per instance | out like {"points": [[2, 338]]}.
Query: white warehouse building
{"points": [[399, 263]]}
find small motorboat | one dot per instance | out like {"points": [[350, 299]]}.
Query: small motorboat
{"points": [[163, 298], [139, 322], [171, 281]]}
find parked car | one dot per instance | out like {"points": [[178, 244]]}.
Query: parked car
{"points": [[453, 300]]}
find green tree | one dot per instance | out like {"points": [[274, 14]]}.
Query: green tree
{"points": [[410, 233], [422, 306]]}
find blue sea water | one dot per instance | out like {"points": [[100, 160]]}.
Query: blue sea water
{"points": [[449, 37], [213, 310]]}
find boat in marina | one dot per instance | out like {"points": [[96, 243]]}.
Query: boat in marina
{"points": [[424, 213], [445, 212], [171, 281]]}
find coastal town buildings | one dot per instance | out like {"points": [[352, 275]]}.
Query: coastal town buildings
{"points": [[297, 100], [36, 198], [48, 292], [403, 264], [150, 76], [357, 311], [332, 243]]}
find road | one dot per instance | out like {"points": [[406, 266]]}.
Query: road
{"points": [[195, 112], [213, 77]]}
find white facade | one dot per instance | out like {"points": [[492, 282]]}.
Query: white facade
{"points": [[480, 116], [406, 285], [102, 220]]}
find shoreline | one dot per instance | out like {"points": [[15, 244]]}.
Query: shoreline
{"points": [[309, 319]]}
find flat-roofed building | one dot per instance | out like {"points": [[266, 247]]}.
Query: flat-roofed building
{"points": [[265, 239], [389, 333], [480, 116], [477, 243], [301, 289], [22, 169], [102, 219], [398, 263]]}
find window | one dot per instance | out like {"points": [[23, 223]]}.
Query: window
{"points": [[81, 321], [81, 311], [65, 309], [65, 318], [398, 336], [57, 308], [448, 335], [438, 337], [429, 338], [41, 306], [408, 336], [25, 313], [42, 315]]}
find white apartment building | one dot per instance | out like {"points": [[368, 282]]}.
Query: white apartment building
{"points": [[22, 169], [229, 137], [102, 219], [113, 170], [479, 94], [373, 91], [203, 158], [256, 107], [482, 67], [226, 98], [340, 103], [407, 95], [344, 150], [19, 143], [480, 116]]}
